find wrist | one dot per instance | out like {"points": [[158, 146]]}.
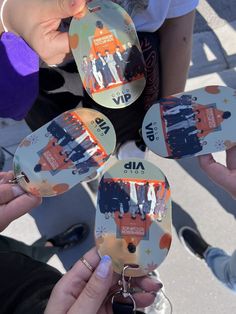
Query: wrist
{"points": [[9, 17], [5, 9], [3, 16], [1, 26]]}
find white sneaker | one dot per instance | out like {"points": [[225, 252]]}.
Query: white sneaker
{"points": [[130, 150]]}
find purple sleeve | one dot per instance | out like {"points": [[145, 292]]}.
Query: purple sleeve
{"points": [[19, 66]]}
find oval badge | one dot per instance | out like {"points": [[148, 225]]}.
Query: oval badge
{"points": [[64, 152], [133, 217], [192, 123], [108, 54]]}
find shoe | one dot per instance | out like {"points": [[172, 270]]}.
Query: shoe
{"points": [[193, 242], [71, 237], [130, 150]]}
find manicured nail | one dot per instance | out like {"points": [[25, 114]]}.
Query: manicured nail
{"points": [[104, 266], [2, 181], [158, 286], [157, 283], [17, 190]]}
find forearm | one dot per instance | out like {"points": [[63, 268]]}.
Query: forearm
{"points": [[223, 266], [175, 53]]}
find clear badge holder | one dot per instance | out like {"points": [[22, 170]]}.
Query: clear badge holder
{"points": [[133, 221], [193, 123], [108, 55], [67, 150]]}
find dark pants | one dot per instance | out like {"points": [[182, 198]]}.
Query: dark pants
{"points": [[26, 281], [26, 284], [127, 121], [36, 251]]}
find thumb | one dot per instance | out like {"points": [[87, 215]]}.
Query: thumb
{"points": [[96, 290], [64, 8], [217, 172]]}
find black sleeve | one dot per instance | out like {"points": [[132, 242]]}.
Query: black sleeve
{"points": [[26, 284]]}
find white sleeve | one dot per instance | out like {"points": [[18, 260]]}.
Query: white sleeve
{"points": [[181, 7]]}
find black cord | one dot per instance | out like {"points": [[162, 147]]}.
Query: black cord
{"points": [[7, 151]]}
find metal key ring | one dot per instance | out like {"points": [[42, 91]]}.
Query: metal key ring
{"points": [[128, 295], [16, 179], [125, 289]]}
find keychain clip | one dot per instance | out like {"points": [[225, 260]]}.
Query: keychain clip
{"points": [[16, 179], [125, 284], [125, 289]]}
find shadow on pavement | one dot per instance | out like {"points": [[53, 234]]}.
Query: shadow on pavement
{"points": [[56, 214], [181, 218], [208, 39], [191, 166]]}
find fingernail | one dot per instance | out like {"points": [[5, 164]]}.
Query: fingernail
{"points": [[160, 286], [103, 269], [17, 190], [157, 282]]}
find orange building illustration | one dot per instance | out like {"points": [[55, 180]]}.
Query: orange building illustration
{"points": [[51, 159], [104, 39], [209, 118]]}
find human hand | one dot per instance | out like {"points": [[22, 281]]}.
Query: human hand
{"points": [[224, 176], [37, 22], [14, 202], [81, 291]]}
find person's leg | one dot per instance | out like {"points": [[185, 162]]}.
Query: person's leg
{"points": [[26, 284], [38, 252], [222, 265], [43, 249], [60, 89]]}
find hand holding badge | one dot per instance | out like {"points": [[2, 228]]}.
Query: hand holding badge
{"points": [[193, 123], [133, 219], [108, 54], [64, 152]]}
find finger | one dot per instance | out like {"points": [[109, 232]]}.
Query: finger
{"points": [[8, 192], [147, 284], [80, 271], [96, 290], [55, 60], [59, 47], [217, 172], [144, 299], [6, 176], [64, 8], [16, 208], [70, 286], [148, 287], [231, 158]]}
